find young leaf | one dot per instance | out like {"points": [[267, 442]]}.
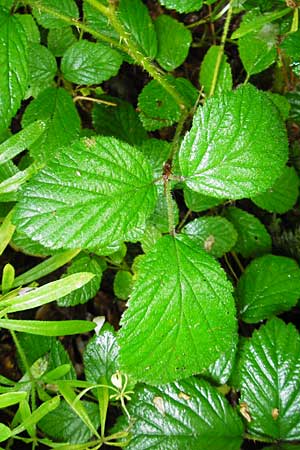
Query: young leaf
{"points": [[136, 19], [214, 234], [51, 328], [190, 414], [253, 238], [90, 63], [121, 121], [158, 108], [60, 39], [224, 80], [282, 196], [174, 325], [64, 425], [6, 232], [5, 432], [11, 398], [123, 284], [237, 146], [47, 20], [56, 108], [100, 355], [83, 263], [42, 69], [100, 188], [14, 66], [182, 6], [269, 285], [258, 49], [57, 357], [270, 383], [199, 202], [174, 41]]}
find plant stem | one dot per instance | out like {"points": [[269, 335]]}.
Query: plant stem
{"points": [[91, 99], [169, 198], [221, 50]]}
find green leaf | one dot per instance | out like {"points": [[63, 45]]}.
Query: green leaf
{"points": [[281, 102], [57, 357], [34, 347], [101, 188], [5, 432], [14, 66], [291, 45], [158, 108], [220, 371], [56, 108], [174, 41], [64, 425], [159, 218], [182, 6], [270, 383], [94, 19], [60, 39], [253, 238], [258, 50], [269, 285], [123, 284], [157, 151], [90, 63], [30, 28], [213, 234], [136, 20], [237, 146], [6, 232], [11, 398], [174, 325], [121, 121], [224, 80], [150, 237], [282, 196], [100, 355], [51, 328], [47, 20], [42, 69], [199, 202], [189, 414], [20, 141], [255, 23], [83, 263], [24, 300], [22, 243], [293, 98]]}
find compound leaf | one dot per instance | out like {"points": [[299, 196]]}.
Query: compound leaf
{"points": [[90, 62], [92, 194], [56, 108], [189, 414], [174, 41], [282, 196], [236, 147], [269, 285], [270, 383], [214, 234], [253, 238], [182, 6], [174, 325], [14, 66]]}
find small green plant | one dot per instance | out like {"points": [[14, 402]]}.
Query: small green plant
{"points": [[177, 184]]}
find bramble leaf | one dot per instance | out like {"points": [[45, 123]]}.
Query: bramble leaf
{"points": [[14, 66], [199, 202], [92, 194], [182, 6], [269, 285], [174, 41], [60, 39], [56, 108], [174, 325], [270, 383], [237, 146], [90, 63], [214, 234], [253, 237], [224, 80], [190, 414], [47, 20], [42, 69], [282, 196]]}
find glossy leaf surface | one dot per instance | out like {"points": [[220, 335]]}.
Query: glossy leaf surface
{"points": [[94, 193], [224, 79], [270, 384], [189, 414], [182, 6], [237, 146], [174, 325], [269, 285]]}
